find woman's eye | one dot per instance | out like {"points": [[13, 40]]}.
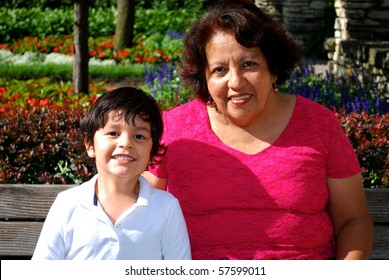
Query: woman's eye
{"points": [[248, 63], [218, 70]]}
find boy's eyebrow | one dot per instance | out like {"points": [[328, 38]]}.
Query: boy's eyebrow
{"points": [[143, 128], [139, 127]]}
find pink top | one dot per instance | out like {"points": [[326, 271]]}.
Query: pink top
{"points": [[270, 205]]}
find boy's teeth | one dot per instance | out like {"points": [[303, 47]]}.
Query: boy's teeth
{"points": [[124, 158]]}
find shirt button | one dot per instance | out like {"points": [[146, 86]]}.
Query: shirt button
{"points": [[118, 226]]}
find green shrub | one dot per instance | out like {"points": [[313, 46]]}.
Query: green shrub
{"points": [[20, 23], [37, 143], [368, 134]]}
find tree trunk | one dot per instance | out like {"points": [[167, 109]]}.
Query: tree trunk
{"points": [[81, 55], [125, 20]]}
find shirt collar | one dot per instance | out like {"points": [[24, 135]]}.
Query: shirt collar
{"points": [[89, 198], [144, 193]]}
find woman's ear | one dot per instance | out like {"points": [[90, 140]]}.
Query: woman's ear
{"points": [[275, 79], [89, 147]]}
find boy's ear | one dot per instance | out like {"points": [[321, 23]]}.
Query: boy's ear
{"points": [[89, 147]]}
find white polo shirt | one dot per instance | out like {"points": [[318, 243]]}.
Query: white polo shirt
{"points": [[76, 227]]}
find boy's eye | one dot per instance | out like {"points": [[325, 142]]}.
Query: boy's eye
{"points": [[112, 133], [139, 137]]}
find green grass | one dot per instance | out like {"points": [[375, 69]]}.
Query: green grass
{"points": [[64, 71]]}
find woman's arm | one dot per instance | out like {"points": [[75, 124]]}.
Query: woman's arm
{"points": [[154, 181], [354, 231]]}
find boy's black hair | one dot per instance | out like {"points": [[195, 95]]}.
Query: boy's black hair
{"points": [[128, 102]]}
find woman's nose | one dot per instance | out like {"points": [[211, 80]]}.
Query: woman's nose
{"points": [[235, 79]]}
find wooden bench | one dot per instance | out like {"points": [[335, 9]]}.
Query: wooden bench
{"points": [[23, 209]]}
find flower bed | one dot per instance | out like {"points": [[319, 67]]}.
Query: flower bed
{"points": [[49, 153], [40, 143]]}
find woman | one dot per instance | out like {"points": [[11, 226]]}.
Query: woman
{"points": [[259, 174]]}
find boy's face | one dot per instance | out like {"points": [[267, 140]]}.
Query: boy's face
{"points": [[121, 149]]}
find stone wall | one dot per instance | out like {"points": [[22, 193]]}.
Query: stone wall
{"points": [[272, 7], [361, 39], [302, 18]]}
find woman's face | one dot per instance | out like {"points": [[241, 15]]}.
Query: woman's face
{"points": [[238, 79]]}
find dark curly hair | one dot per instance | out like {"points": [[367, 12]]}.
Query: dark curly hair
{"points": [[128, 102], [252, 27]]}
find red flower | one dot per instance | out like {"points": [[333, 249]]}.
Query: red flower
{"points": [[3, 90], [44, 102], [5, 108], [123, 53], [70, 91], [152, 59], [94, 98], [32, 101]]}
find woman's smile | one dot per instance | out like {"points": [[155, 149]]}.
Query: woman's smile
{"points": [[240, 99]]}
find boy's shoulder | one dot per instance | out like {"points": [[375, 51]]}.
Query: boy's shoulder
{"points": [[77, 194], [154, 195]]}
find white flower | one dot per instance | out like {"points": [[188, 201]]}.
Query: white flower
{"points": [[7, 57]]}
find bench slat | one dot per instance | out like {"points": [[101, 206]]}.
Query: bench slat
{"points": [[19, 238], [378, 203], [27, 201], [381, 242]]}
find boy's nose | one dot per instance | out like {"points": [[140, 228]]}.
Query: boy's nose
{"points": [[125, 142]]}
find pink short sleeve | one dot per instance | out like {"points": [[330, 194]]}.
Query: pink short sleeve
{"points": [[342, 160]]}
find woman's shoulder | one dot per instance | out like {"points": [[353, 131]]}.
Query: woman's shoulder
{"points": [[311, 105], [310, 116], [186, 110], [192, 114], [310, 108]]}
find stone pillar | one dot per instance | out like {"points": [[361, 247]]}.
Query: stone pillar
{"points": [[273, 7], [362, 19], [361, 38], [304, 18]]}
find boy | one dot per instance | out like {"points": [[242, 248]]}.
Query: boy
{"points": [[116, 214]]}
